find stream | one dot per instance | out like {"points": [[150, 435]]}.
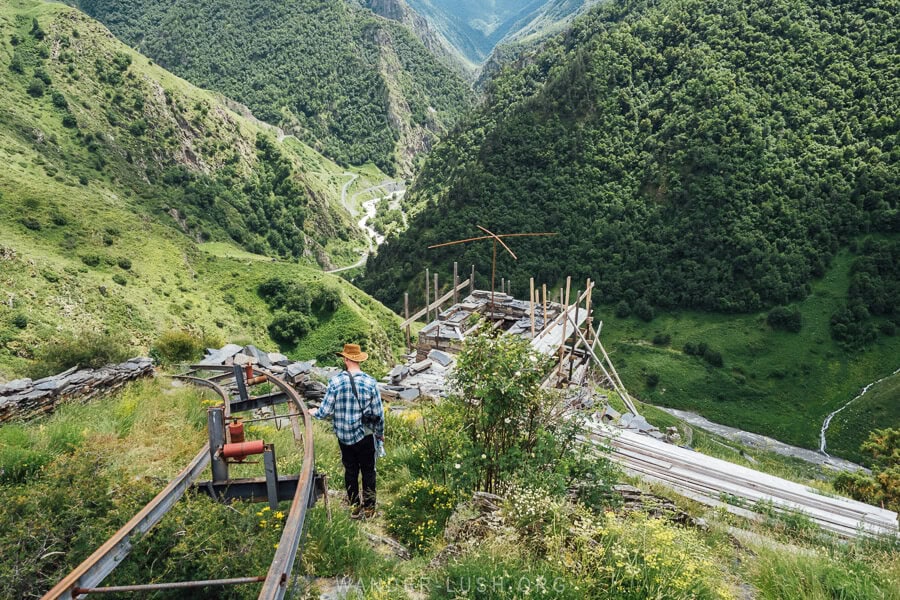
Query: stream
{"points": [[831, 416]]}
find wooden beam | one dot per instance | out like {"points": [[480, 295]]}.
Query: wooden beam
{"points": [[427, 309]]}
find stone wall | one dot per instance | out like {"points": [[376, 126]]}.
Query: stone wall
{"points": [[22, 399]]}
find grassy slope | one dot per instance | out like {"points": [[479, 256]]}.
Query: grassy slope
{"points": [[171, 282], [775, 383]]}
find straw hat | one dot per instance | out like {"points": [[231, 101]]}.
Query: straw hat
{"points": [[353, 352]]}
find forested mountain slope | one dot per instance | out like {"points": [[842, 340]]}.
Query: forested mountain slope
{"points": [[358, 87], [125, 193], [475, 28], [688, 155]]}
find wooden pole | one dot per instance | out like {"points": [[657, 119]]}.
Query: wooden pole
{"points": [[544, 286], [562, 344], [531, 284], [437, 309], [472, 280], [427, 296], [406, 318], [455, 283], [587, 307], [493, 277]]}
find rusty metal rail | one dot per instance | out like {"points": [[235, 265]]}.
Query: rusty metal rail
{"points": [[85, 578]]}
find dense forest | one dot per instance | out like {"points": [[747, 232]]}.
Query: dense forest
{"points": [[709, 156], [333, 74]]}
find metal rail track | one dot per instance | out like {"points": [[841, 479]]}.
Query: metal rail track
{"points": [[85, 578]]}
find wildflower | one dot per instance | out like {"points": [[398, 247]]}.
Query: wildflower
{"points": [[458, 466]]}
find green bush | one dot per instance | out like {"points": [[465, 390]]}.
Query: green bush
{"points": [[785, 319], [713, 357], [20, 321], [91, 260], [31, 223], [419, 512], [124, 263], [177, 345], [36, 88], [662, 339], [92, 349], [120, 279]]}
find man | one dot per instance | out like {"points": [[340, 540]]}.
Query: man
{"points": [[352, 399]]}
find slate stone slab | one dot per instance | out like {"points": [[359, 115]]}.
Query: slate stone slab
{"points": [[441, 358], [277, 358], [409, 394], [262, 358], [15, 386], [51, 384]]}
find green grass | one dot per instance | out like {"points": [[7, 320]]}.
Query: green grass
{"points": [[775, 383]]}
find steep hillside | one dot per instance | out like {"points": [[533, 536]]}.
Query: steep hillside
{"points": [[687, 156], [358, 87], [431, 38], [125, 193], [694, 157], [476, 28]]}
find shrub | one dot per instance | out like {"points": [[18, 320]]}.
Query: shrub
{"points": [[712, 357], [120, 279], [43, 76], [643, 310], [85, 349], [785, 319], [882, 487], [623, 309], [652, 380], [15, 65], [36, 88], [20, 321], [31, 223], [71, 122], [177, 345], [124, 263], [91, 260], [509, 429], [419, 512], [59, 100], [690, 348], [638, 557], [662, 339]]}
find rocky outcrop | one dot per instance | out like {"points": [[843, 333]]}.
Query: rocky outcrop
{"points": [[23, 399]]}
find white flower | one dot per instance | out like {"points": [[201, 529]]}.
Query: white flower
{"points": [[458, 466], [507, 420], [483, 456]]}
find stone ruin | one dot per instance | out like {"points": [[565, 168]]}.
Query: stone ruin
{"points": [[23, 399]]}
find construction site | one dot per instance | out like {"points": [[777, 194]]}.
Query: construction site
{"points": [[566, 329]]}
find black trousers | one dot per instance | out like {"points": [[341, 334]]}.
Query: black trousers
{"points": [[359, 457]]}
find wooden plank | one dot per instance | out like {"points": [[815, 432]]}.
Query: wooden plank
{"points": [[706, 479], [427, 309]]}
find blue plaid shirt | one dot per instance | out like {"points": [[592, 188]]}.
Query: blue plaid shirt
{"points": [[347, 411]]}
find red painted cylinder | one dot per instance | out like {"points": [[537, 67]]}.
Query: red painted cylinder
{"points": [[236, 432], [243, 449]]}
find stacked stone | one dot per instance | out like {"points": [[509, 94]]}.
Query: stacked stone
{"points": [[22, 399], [297, 373]]}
